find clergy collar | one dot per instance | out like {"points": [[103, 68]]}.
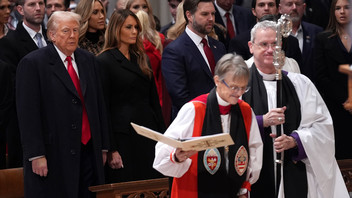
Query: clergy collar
{"points": [[221, 101], [268, 77]]}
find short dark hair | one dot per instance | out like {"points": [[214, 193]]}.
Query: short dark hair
{"points": [[176, 0], [254, 3], [191, 6], [66, 3]]}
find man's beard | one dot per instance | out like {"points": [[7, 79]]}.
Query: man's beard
{"points": [[199, 28], [295, 18]]}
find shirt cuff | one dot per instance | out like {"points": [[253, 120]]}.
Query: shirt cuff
{"points": [[301, 153], [33, 158]]}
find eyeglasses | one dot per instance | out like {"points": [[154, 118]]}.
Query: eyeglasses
{"points": [[235, 88], [266, 45]]}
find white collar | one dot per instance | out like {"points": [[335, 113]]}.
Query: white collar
{"points": [[31, 32], [63, 56], [265, 76], [221, 101], [195, 37]]}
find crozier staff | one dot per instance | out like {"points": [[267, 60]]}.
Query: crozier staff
{"points": [[218, 172]]}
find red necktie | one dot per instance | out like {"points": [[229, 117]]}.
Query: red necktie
{"points": [[209, 55], [85, 123], [229, 26], [224, 110]]}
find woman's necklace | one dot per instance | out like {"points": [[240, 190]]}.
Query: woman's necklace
{"points": [[345, 36]]}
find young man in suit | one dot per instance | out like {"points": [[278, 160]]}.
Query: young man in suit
{"points": [[56, 5], [173, 10], [188, 64], [305, 33], [61, 115], [16, 44], [235, 19], [13, 47]]}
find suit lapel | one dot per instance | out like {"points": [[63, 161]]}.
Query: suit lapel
{"points": [[218, 17], [60, 70], [190, 47], [306, 39], [26, 39]]}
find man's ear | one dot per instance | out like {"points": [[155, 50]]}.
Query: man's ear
{"points": [[189, 16], [250, 46], [20, 9], [52, 36], [254, 12]]}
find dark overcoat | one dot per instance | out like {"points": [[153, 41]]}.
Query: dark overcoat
{"points": [[130, 96], [50, 120]]}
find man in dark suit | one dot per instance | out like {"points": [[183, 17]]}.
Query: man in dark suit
{"points": [[173, 10], [61, 115], [235, 19], [16, 44], [13, 47], [303, 31], [187, 63], [261, 9]]}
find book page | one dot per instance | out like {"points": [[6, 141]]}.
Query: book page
{"points": [[194, 143]]}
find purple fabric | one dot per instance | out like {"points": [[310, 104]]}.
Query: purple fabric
{"points": [[301, 154], [260, 125]]}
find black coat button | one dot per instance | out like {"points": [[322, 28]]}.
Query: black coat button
{"points": [[74, 101], [73, 126], [73, 152]]}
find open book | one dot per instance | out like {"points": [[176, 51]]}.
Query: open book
{"points": [[194, 143]]}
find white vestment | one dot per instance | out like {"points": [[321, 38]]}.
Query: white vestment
{"points": [[317, 136], [182, 128]]}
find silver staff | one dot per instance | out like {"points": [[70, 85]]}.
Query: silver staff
{"points": [[283, 29]]}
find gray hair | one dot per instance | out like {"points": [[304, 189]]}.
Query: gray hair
{"points": [[232, 64], [60, 16], [262, 25]]}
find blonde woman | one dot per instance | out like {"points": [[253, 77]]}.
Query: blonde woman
{"points": [[153, 46], [136, 5], [91, 34]]}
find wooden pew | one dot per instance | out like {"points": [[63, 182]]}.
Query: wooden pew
{"points": [[153, 188], [346, 170], [11, 183]]}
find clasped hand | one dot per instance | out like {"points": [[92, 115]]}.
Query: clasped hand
{"points": [[284, 142], [274, 117]]}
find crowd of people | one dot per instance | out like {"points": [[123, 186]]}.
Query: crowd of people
{"points": [[72, 79]]}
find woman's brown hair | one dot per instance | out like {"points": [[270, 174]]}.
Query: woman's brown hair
{"points": [[112, 38]]}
